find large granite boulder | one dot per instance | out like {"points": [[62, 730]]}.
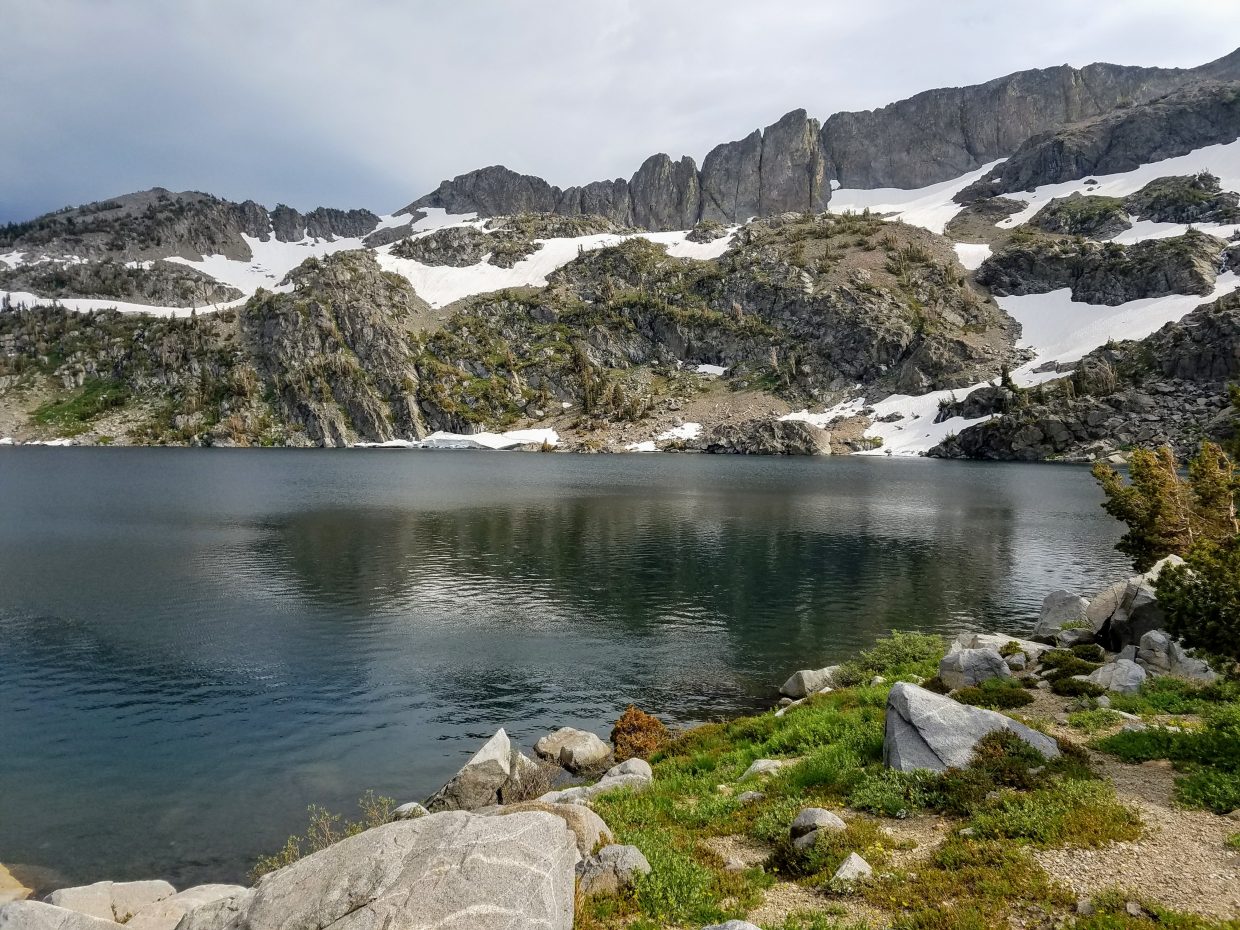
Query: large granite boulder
{"points": [[965, 668], [167, 913], [574, 749], [1123, 676], [1060, 609], [116, 901], [1133, 612], [37, 915], [480, 780], [588, 827], [1000, 643], [448, 871], [925, 730]]}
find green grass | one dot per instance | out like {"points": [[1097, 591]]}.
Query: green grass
{"points": [[1071, 813], [1094, 720], [72, 415], [995, 693]]}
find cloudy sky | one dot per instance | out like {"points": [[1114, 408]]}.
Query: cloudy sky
{"points": [[372, 102]]}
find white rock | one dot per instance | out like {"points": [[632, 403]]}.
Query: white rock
{"points": [[37, 915], [809, 680], [760, 767], [852, 869], [448, 871], [572, 748], [812, 819], [116, 901], [631, 767], [410, 811], [166, 914]]}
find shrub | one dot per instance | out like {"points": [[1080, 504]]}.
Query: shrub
{"points": [[895, 794], [899, 655], [1064, 664], [1089, 652], [638, 734], [1091, 721], [1202, 597], [325, 829], [1071, 813], [1076, 687], [1003, 697]]}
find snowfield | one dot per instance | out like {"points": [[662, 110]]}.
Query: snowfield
{"points": [[930, 207]]}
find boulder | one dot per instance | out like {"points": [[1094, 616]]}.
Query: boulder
{"points": [[612, 869], [998, 642], [760, 767], [36, 915], [813, 819], [1060, 609], [524, 777], [767, 437], [411, 811], [587, 826], [965, 668], [1134, 611], [480, 780], [447, 871], [852, 869], [733, 925], [809, 681], [574, 749], [1159, 654], [931, 731], [167, 913], [116, 901], [632, 773], [1121, 675]]}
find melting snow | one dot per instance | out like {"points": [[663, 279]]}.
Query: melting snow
{"points": [[1222, 161], [972, 254], [930, 207]]}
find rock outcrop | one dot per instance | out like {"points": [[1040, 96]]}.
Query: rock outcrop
{"points": [[1175, 124], [158, 283], [768, 437], [480, 781], [448, 871], [1108, 273], [925, 730]]}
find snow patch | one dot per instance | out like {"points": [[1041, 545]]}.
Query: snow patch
{"points": [[930, 207], [492, 441], [1223, 161], [87, 304], [716, 371], [972, 254]]}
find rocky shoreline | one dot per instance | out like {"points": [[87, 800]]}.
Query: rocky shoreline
{"points": [[542, 840]]}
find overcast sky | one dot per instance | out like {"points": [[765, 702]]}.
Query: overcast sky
{"points": [[370, 103]]}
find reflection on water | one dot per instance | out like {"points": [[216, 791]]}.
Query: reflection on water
{"points": [[195, 645]]}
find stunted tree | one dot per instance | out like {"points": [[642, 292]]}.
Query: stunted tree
{"points": [[1165, 512]]}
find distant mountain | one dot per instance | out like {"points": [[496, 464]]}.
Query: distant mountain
{"points": [[931, 137]]}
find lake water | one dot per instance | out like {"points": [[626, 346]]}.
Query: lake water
{"points": [[195, 645]]}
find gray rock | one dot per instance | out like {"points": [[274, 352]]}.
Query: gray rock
{"points": [[1159, 654], [761, 767], [574, 749], [815, 818], [410, 811], [767, 437], [1137, 611], [116, 901], [632, 773], [1121, 676], [925, 730], [480, 780], [448, 871], [965, 668], [852, 869], [588, 827], [733, 925], [524, 776], [612, 869], [809, 681], [36, 915], [750, 797], [167, 913], [638, 767], [1060, 608], [997, 641], [806, 841]]}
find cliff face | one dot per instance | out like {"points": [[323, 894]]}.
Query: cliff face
{"points": [[931, 137]]}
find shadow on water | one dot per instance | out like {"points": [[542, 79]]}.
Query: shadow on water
{"points": [[197, 645]]}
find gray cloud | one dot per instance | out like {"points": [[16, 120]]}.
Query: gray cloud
{"points": [[373, 102]]}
